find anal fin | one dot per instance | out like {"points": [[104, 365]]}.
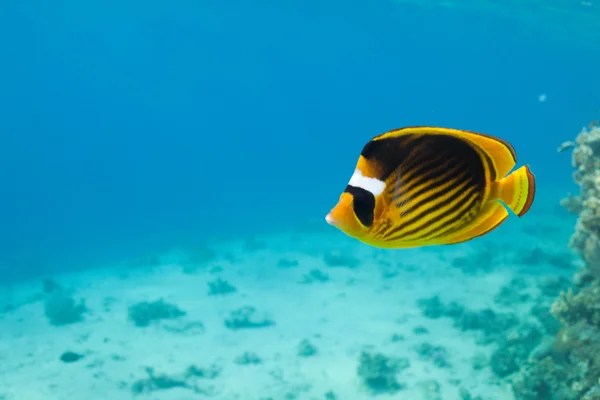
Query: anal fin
{"points": [[491, 216]]}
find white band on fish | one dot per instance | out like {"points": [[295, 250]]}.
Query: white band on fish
{"points": [[372, 185]]}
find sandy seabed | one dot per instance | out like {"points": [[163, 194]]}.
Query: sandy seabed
{"points": [[313, 307]]}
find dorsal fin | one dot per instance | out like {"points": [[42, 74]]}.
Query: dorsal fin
{"points": [[500, 153]]}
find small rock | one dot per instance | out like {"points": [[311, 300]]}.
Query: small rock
{"points": [[438, 355], [337, 259], [287, 263], [379, 373], [61, 309], [315, 275], [70, 357], [248, 358], [246, 318], [306, 349], [144, 313], [396, 337], [220, 287], [420, 330]]}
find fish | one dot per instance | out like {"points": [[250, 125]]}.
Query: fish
{"points": [[424, 185]]}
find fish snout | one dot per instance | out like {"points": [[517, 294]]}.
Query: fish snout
{"points": [[341, 215], [330, 219]]}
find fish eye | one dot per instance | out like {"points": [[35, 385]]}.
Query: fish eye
{"points": [[363, 203]]}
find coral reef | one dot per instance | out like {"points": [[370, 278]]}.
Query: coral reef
{"points": [[569, 369], [586, 160]]}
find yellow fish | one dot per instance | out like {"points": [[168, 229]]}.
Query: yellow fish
{"points": [[422, 186]]}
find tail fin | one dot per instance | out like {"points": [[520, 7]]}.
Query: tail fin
{"points": [[517, 190]]}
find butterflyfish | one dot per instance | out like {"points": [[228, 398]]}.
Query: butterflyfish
{"points": [[422, 186]]}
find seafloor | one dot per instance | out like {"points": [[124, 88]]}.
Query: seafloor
{"points": [[305, 314]]}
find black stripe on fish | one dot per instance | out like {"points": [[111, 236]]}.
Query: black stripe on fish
{"points": [[468, 178], [451, 218], [434, 175], [404, 199], [433, 201], [363, 203], [490, 166], [389, 153], [413, 173], [472, 207]]}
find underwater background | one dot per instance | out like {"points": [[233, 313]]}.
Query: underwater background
{"points": [[165, 171]]}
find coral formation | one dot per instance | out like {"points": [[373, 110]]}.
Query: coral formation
{"points": [[186, 328], [338, 259], [481, 259], [245, 318], [188, 380], [287, 263], [306, 349], [248, 358], [330, 396], [197, 258], [491, 325], [144, 313], [438, 355], [514, 349], [466, 395], [420, 330], [538, 256], [315, 275], [220, 287], [431, 389], [512, 293], [569, 369], [210, 372], [396, 337], [60, 307], [379, 373], [254, 244], [586, 160]]}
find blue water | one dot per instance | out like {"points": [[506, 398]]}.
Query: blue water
{"points": [[127, 127], [132, 128]]}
